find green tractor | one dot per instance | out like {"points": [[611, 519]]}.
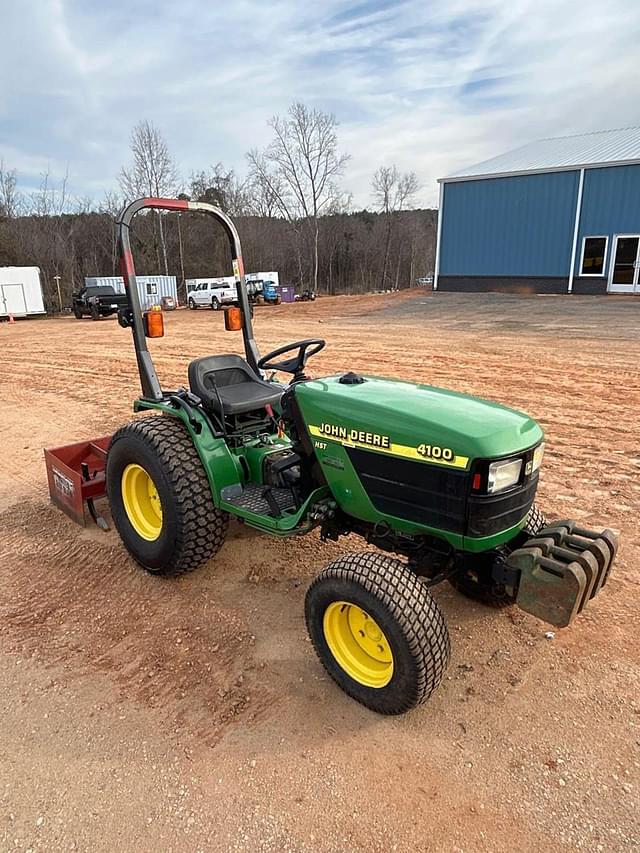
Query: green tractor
{"points": [[439, 485]]}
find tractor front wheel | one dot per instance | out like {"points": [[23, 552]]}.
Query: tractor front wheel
{"points": [[377, 631], [160, 497]]}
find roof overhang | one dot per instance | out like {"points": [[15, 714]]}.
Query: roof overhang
{"points": [[541, 171]]}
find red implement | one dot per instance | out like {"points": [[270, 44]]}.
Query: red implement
{"points": [[76, 475]]}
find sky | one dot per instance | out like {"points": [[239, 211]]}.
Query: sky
{"points": [[430, 85]]}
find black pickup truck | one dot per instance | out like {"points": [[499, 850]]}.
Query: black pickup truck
{"points": [[97, 301]]}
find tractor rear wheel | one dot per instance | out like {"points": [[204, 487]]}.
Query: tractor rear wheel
{"points": [[377, 631], [474, 579], [160, 497]]}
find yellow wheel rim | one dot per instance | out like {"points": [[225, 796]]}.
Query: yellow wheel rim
{"points": [[358, 644], [141, 502]]}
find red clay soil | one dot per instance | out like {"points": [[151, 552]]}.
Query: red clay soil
{"points": [[191, 714]]}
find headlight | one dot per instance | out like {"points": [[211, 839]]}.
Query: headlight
{"points": [[503, 474], [538, 453]]}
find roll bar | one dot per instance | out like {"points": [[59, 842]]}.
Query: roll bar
{"points": [[148, 377]]}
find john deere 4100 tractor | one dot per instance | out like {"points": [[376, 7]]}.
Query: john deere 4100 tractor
{"points": [[442, 485]]}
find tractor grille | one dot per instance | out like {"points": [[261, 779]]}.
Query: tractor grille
{"points": [[489, 514], [437, 496], [426, 494]]}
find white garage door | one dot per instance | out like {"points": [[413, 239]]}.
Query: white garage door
{"points": [[12, 299]]}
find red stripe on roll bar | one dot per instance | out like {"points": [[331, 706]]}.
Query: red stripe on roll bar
{"points": [[167, 203], [126, 266]]}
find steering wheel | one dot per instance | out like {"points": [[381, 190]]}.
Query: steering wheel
{"points": [[296, 363]]}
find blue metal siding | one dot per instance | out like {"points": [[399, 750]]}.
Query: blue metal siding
{"points": [[610, 202], [516, 226]]}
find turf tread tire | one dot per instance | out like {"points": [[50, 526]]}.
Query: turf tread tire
{"points": [[200, 527], [388, 586]]}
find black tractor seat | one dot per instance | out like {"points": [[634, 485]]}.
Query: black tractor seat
{"points": [[239, 389]]}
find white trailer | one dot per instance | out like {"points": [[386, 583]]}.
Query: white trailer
{"points": [[20, 292], [151, 288]]}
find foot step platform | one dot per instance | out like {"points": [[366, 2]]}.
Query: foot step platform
{"points": [[255, 498], [561, 569]]}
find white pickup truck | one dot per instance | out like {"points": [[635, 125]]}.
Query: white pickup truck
{"points": [[213, 293]]}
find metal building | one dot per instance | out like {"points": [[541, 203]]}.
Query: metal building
{"points": [[151, 288], [555, 216]]}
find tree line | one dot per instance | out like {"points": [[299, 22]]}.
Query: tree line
{"points": [[292, 213]]}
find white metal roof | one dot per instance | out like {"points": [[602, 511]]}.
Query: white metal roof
{"points": [[600, 148]]}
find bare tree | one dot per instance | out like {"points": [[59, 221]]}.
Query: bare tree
{"points": [[111, 204], [392, 192], [10, 199], [49, 199], [299, 169], [221, 187], [153, 172], [263, 190]]}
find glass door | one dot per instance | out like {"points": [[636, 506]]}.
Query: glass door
{"points": [[625, 265]]}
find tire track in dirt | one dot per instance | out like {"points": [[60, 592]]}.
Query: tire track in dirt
{"points": [[78, 601]]}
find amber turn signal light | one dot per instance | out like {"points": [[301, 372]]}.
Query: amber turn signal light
{"points": [[153, 323], [233, 319]]}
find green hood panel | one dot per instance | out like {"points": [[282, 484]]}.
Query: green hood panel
{"points": [[411, 415]]}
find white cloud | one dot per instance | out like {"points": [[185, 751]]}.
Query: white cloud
{"points": [[429, 86]]}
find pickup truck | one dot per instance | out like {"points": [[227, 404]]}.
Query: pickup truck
{"points": [[211, 294], [97, 301]]}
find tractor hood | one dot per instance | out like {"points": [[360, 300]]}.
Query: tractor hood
{"points": [[411, 420]]}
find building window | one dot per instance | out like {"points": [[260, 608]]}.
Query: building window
{"points": [[152, 288], [594, 255]]}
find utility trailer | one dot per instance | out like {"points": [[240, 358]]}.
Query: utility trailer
{"points": [[21, 292]]}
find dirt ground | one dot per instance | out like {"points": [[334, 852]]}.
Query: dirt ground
{"points": [[191, 714]]}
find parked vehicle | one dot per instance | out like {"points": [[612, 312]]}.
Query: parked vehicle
{"points": [[270, 292], [96, 302], [211, 293], [151, 288], [263, 291], [20, 292], [306, 296]]}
